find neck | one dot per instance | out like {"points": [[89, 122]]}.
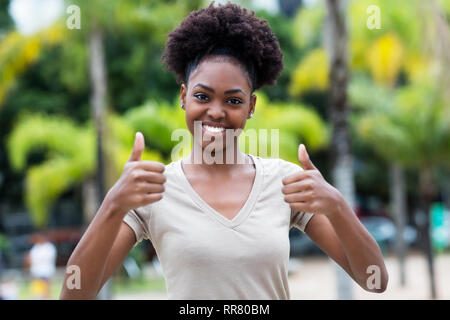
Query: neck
{"points": [[218, 162]]}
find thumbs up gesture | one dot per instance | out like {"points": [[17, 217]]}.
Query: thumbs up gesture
{"points": [[141, 182], [308, 191]]}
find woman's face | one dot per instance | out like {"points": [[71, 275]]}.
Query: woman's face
{"points": [[219, 95]]}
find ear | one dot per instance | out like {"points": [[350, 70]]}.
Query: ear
{"points": [[183, 91], [252, 106]]}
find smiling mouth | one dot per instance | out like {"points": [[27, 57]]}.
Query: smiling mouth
{"points": [[213, 129]]}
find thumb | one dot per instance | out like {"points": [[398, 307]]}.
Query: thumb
{"points": [[303, 157], [138, 147]]}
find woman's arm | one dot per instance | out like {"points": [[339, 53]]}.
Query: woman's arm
{"points": [[344, 239], [334, 227], [100, 251], [123, 244], [108, 240]]}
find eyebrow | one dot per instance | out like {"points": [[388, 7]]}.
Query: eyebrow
{"points": [[212, 90]]}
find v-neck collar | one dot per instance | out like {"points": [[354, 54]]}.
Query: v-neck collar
{"points": [[243, 212]]}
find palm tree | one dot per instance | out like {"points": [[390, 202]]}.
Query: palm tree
{"points": [[383, 54], [365, 95], [69, 159], [416, 135], [402, 49], [336, 42]]}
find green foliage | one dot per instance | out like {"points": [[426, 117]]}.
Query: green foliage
{"points": [[311, 74], [296, 123], [383, 53], [157, 122], [398, 108], [283, 29], [17, 52], [69, 158], [406, 125], [308, 24]]}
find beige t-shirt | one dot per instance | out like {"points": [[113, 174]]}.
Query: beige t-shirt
{"points": [[207, 256]]}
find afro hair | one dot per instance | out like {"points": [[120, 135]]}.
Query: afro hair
{"points": [[228, 30]]}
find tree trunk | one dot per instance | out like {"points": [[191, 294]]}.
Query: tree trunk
{"points": [[98, 102], [89, 199], [336, 41], [427, 193], [398, 198]]}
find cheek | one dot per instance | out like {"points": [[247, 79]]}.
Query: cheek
{"points": [[241, 118], [191, 114]]}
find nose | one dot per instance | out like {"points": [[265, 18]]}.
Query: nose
{"points": [[216, 111]]}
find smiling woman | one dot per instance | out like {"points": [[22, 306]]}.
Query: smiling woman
{"points": [[221, 229]]}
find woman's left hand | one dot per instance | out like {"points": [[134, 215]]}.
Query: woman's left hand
{"points": [[308, 191]]}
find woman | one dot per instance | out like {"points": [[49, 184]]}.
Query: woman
{"points": [[220, 228]]}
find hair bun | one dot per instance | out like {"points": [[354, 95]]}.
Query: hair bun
{"points": [[225, 26]]}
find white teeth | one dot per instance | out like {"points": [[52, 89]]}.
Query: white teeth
{"points": [[213, 129]]}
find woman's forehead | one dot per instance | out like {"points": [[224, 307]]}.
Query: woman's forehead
{"points": [[220, 72]]}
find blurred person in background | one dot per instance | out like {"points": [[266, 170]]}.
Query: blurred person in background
{"points": [[41, 261]]}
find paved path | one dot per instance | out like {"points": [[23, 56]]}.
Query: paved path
{"points": [[315, 279]]}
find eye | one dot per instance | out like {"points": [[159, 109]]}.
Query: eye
{"points": [[235, 101], [201, 96]]}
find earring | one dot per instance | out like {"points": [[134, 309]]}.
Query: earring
{"points": [[251, 115]]}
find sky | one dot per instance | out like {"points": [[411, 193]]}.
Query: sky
{"points": [[31, 16]]}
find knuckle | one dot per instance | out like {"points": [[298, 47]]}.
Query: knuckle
{"points": [[314, 206], [134, 174], [139, 198]]}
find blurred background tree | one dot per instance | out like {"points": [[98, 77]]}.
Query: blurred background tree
{"points": [[392, 57]]}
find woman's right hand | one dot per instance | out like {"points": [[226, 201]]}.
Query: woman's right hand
{"points": [[141, 182]]}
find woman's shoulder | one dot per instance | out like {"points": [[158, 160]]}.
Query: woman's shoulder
{"points": [[171, 166], [278, 166]]}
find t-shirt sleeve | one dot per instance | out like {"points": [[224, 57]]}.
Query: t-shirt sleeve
{"points": [[138, 220], [298, 219]]}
